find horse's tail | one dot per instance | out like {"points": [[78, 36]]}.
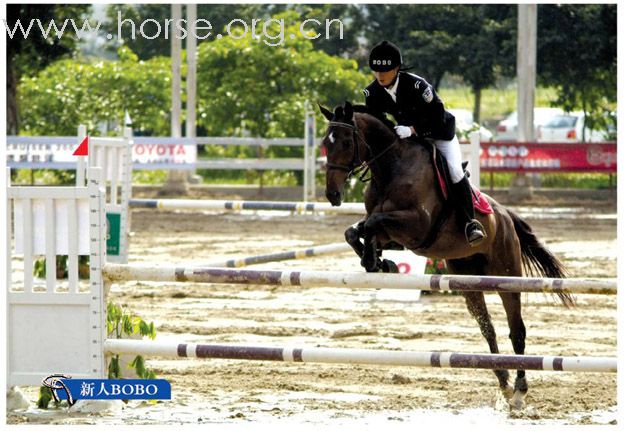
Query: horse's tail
{"points": [[537, 260]]}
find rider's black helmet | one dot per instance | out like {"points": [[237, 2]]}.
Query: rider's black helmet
{"points": [[384, 56]]}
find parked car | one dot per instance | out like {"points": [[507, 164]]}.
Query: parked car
{"points": [[568, 128], [464, 124], [507, 130]]}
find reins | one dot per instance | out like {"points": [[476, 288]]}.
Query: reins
{"points": [[357, 165]]}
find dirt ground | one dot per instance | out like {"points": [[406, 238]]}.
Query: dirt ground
{"points": [[243, 393]]}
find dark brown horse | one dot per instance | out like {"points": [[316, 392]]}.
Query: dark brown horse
{"points": [[403, 203]]}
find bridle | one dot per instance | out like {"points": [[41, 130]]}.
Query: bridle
{"points": [[357, 165], [356, 160]]}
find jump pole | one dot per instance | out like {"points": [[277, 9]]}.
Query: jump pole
{"points": [[362, 356], [237, 206], [302, 253], [455, 283]]}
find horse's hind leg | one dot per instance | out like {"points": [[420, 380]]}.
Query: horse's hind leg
{"points": [[508, 262], [517, 334], [475, 301]]}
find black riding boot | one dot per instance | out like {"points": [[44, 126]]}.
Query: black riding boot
{"points": [[473, 229]]}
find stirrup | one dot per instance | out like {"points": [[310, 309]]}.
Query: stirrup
{"points": [[474, 232]]}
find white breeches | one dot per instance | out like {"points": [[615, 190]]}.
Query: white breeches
{"points": [[450, 150]]}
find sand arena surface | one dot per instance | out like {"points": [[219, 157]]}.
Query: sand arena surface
{"points": [[237, 392]]}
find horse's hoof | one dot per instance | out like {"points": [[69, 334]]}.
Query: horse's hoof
{"points": [[372, 268], [370, 265], [508, 392], [517, 401], [520, 390], [389, 266]]}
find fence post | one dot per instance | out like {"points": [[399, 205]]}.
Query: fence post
{"points": [[81, 165], [309, 158], [9, 256], [126, 195], [475, 162], [97, 258]]}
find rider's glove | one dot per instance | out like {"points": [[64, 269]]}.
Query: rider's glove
{"points": [[403, 131]]}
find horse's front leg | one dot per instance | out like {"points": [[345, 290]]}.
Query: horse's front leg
{"points": [[353, 235], [404, 227], [370, 255], [366, 250], [371, 248]]}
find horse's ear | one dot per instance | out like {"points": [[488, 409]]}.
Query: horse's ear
{"points": [[348, 110], [326, 112]]}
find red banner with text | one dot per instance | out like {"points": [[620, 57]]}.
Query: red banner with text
{"points": [[534, 157]]}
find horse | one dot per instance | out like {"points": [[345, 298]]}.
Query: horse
{"points": [[405, 206]]}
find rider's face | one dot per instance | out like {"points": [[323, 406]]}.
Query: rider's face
{"points": [[386, 78]]}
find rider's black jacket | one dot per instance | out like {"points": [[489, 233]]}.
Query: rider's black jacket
{"points": [[417, 104]]}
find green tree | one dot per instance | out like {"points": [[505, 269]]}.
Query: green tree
{"points": [[26, 56], [483, 44], [471, 41], [219, 15], [577, 54], [350, 18], [245, 83], [70, 92]]}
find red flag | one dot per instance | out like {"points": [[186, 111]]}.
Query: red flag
{"points": [[83, 148]]}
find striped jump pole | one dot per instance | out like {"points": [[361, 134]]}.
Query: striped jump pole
{"points": [[235, 206], [457, 283], [362, 356], [302, 253]]}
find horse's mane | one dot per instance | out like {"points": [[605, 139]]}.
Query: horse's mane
{"points": [[381, 117]]}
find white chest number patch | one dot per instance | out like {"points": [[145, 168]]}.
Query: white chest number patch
{"points": [[428, 94]]}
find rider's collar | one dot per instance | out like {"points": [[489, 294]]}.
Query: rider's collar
{"points": [[392, 88]]}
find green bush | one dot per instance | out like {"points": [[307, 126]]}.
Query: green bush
{"points": [[120, 324], [57, 177], [73, 91]]}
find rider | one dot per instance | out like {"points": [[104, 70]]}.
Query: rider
{"points": [[418, 110]]}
